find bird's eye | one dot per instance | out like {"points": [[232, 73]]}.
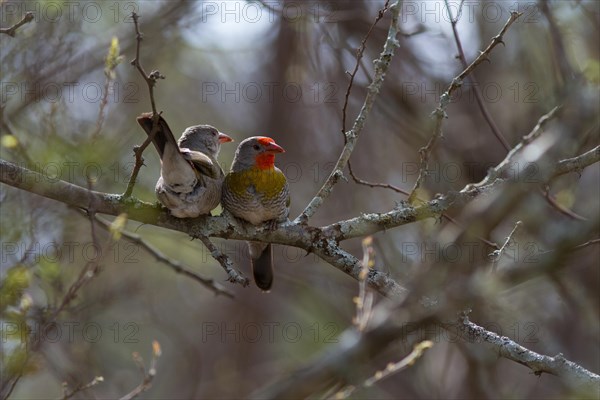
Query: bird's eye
{"points": [[256, 147]]}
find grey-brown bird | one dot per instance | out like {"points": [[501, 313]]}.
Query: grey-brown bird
{"points": [[190, 177], [256, 191]]}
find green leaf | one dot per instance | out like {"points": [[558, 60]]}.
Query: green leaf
{"points": [[49, 270], [17, 279]]}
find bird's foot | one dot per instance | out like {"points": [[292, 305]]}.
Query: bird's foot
{"points": [[271, 224]]}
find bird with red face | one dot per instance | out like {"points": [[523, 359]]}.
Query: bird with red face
{"points": [[190, 177], [257, 191]]}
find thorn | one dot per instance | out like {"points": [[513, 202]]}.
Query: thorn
{"points": [[484, 56]]}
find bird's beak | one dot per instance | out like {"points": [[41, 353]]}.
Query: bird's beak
{"points": [[274, 148], [223, 138]]}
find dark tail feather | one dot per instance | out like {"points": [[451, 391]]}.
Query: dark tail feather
{"points": [[163, 134], [262, 268]]}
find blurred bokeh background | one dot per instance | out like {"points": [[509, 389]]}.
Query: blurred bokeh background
{"points": [[278, 68]]}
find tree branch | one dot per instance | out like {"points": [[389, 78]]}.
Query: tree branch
{"points": [[235, 276], [575, 376], [381, 66], [480, 103], [440, 112], [537, 130], [577, 164], [323, 241], [150, 80], [11, 31], [175, 265]]}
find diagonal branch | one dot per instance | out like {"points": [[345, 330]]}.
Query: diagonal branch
{"points": [[480, 103], [440, 112], [505, 164], [577, 164], [150, 80], [234, 275], [381, 66], [175, 265], [574, 375], [11, 31]]}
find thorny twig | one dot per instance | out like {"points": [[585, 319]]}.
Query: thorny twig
{"points": [[440, 111], [11, 31], [150, 80]]}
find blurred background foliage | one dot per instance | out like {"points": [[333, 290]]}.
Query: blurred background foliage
{"points": [[276, 68]]}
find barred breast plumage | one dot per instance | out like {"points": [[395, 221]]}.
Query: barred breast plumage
{"points": [[257, 192]]}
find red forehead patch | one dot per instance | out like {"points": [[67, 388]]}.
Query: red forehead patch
{"points": [[265, 141]]}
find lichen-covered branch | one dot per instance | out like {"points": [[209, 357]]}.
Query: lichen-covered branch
{"points": [[322, 241], [234, 276], [575, 376]]}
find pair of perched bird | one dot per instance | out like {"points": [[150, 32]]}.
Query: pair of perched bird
{"points": [[192, 183]]}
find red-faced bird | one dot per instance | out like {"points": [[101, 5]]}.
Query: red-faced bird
{"points": [[256, 191]]}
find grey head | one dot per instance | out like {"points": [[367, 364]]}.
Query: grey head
{"points": [[204, 138], [256, 151]]}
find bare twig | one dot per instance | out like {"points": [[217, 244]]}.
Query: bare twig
{"points": [[375, 184], [359, 55], [381, 67], [28, 17], [390, 369], [560, 208], [175, 265], [496, 255], [537, 130], [9, 381], [150, 80], [112, 60], [147, 376], [68, 394], [560, 54], [153, 76], [233, 274], [92, 267], [578, 247], [480, 103], [484, 240], [440, 112], [364, 301], [575, 164], [586, 244]]}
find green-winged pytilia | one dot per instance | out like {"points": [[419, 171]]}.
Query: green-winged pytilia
{"points": [[256, 191]]}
